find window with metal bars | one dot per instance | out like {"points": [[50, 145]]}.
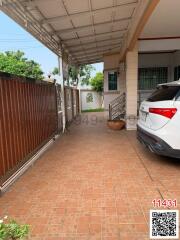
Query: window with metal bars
{"points": [[149, 78], [176, 73], [112, 81]]}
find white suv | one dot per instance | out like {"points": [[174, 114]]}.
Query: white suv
{"points": [[159, 120]]}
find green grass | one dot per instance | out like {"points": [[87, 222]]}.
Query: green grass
{"points": [[93, 110]]}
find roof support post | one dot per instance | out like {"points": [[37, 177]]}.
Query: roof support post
{"points": [[60, 65], [131, 88]]}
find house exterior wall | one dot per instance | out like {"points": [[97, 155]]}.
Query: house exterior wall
{"points": [[169, 60], [145, 60], [157, 60], [111, 64], [96, 100]]}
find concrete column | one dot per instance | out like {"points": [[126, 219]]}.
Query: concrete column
{"points": [[131, 88]]}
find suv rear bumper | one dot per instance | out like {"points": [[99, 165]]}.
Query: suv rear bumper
{"points": [[156, 144]]}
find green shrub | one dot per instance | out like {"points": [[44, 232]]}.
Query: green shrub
{"points": [[11, 230]]}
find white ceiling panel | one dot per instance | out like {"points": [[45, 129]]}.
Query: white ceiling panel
{"points": [[75, 6], [105, 43], [71, 20], [93, 45], [77, 48], [119, 2], [103, 16], [120, 25], [124, 11], [88, 39], [85, 32], [109, 35], [164, 22], [101, 4], [72, 42], [51, 8], [103, 28], [63, 24], [84, 20], [66, 36], [101, 38]]}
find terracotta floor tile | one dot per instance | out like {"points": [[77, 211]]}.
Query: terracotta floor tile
{"points": [[93, 183]]}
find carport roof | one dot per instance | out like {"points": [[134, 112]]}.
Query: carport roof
{"points": [[85, 29]]}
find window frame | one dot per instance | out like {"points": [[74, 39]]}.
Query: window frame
{"points": [[115, 74], [176, 73]]}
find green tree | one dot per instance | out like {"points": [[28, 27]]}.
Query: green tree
{"points": [[16, 63], [83, 71], [97, 82], [55, 71]]}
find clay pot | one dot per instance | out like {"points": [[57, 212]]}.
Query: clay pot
{"points": [[116, 124]]}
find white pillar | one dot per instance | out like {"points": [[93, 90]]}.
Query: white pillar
{"points": [[131, 88], [60, 61]]}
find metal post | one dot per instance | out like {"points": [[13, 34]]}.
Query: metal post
{"points": [[60, 61]]}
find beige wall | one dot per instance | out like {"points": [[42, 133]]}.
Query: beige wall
{"points": [[169, 60], [111, 63]]}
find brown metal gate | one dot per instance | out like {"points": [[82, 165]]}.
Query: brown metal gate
{"points": [[28, 119]]}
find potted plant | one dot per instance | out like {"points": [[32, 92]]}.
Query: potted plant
{"points": [[116, 124]]}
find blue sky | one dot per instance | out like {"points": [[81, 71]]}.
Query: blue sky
{"points": [[13, 37]]}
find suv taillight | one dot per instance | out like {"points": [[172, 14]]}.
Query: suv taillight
{"points": [[166, 112]]}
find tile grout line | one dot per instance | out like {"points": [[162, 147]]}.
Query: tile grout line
{"points": [[146, 169]]}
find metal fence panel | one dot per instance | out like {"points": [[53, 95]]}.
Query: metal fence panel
{"points": [[28, 119]]}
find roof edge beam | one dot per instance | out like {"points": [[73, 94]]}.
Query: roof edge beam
{"points": [[142, 14]]}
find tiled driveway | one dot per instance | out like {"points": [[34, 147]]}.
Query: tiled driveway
{"points": [[93, 183]]}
